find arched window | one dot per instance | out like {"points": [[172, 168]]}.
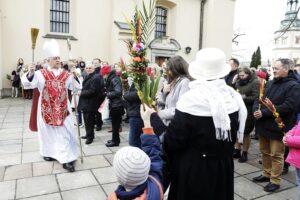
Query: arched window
{"points": [[59, 16], [161, 22]]}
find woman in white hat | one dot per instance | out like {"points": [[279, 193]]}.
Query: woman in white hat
{"points": [[199, 141]]}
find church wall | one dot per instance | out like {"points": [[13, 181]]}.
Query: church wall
{"points": [[93, 25], [218, 25]]}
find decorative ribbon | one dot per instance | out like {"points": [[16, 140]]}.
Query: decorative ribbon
{"points": [[270, 106]]}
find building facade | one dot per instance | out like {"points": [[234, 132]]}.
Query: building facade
{"points": [[97, 28], [287, 38]]}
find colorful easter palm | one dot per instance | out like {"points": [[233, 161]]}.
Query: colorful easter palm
{"points": [[141, 28]]}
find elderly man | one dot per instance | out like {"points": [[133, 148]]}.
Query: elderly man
{"points": [[91, 97], [54, 121], [283, 92], [232, 76]]}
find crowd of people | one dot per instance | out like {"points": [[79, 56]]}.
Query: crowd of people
{"points": [[206, 111]]}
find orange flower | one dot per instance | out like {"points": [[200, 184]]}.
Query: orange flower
{"points": [[137, 59]]}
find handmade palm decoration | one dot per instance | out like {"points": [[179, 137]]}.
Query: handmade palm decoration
{"points": [[141, 28]]}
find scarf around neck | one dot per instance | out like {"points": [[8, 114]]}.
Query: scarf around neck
{"points": [[216, 99]]}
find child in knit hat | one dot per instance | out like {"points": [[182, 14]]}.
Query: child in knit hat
{"points": [[139, 172]]}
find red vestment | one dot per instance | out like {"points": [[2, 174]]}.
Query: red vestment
{"points": [[54, 102]]}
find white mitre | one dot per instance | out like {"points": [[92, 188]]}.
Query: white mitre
{"points": [[51, 48]]}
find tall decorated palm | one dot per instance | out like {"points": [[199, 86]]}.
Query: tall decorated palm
{"points": [[142, 26]]}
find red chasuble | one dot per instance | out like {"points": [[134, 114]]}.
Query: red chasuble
{"points": [[54, 102]]}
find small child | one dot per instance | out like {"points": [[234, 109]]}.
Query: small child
{"points": [[139, 171], [292, 140], [15, 84]]}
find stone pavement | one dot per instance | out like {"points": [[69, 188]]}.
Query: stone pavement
{"points": [[25, 175]]}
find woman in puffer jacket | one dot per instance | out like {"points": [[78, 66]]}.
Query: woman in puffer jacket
{"points": [[292, 140]]}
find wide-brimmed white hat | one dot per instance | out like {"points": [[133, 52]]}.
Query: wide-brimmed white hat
{"points": [[51, 48], [210, 64]]}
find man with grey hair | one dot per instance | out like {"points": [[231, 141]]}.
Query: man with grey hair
{"points": [[283, 91], [91, 97]]}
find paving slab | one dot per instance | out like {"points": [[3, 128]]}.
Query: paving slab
{"points": [[55, 196], [29, 157], [110, 158], [14, 141], [244, 168], [42, 168], [18, 172], [36, 186], [58, 168], [30, 145], [236, 197], [89, 193], [247, 189], [105, 175], [69, 181], [96, 150], [2, 171], [10, 148], [110, 187], [7, 190], [291, 194], [11, 136], [10, 159], [91, 162]]}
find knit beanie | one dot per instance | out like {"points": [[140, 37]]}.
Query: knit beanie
{"points": [[105, 70], [131, 166]]}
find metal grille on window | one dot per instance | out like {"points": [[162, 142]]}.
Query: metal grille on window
{"points": [[161, 22], [59, 16]]}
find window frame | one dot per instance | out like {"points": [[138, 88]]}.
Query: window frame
{"points": [[60, 16], [161, 14]]}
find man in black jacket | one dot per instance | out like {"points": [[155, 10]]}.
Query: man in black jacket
{"points": [[116, 105], [283, 91], [91, 97], [232, 76]]}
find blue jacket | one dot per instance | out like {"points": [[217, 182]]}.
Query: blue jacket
{"points": [[151, 146]]}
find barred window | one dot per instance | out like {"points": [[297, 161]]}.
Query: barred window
{"points": [[161, 22], [59, 16]]}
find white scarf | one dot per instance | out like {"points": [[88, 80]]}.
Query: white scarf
{"points": [[215, 99]]}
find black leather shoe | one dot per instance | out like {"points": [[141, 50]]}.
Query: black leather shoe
{"points": [[83, 137], [48, 159], [261, 179], [244, 157], [237, 153], [109, 141], [98, 128], [89, 141], [69, 166], [285, 170], [271, 187], [112, 144]]}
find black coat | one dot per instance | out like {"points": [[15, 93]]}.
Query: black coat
{"points": [[284, 94], [114, 90], [92, 93], [201, 166], [251, 90], [133, 102], [229, 78]]}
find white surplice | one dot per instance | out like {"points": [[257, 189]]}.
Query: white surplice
{"points": [[55, 142]]}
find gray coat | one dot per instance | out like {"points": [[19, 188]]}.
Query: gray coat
{"points": [[168, 100]]}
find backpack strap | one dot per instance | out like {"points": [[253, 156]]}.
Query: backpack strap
{"points": [[159, 186]]}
